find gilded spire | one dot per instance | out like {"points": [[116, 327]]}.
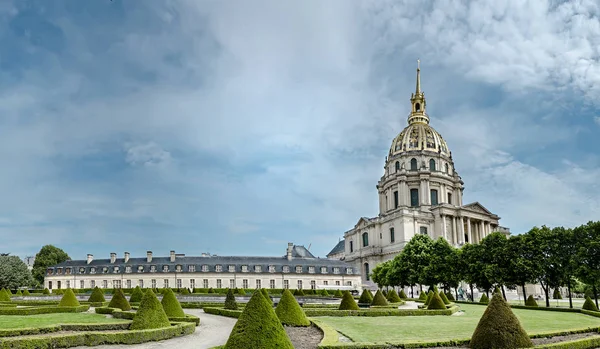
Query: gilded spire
{"points": [[417, 99], [418, 90]]}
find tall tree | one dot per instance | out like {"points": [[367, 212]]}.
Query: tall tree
{"points": [[14, 273], [495, 263], [545, 256], [440, 268], [417, 255], [587, 256], [48, 256], [521, 269]]}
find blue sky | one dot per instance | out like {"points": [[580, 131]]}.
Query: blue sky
{"points": [[233, 127]]}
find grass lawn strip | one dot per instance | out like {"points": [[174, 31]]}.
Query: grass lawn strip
{"points": [[417, 328], [31, 321]]}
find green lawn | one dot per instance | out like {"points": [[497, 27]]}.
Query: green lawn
{"points": [[14, 321], [440, 328]]}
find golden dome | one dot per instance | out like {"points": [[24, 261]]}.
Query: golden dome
{"points": [[419, 137]]}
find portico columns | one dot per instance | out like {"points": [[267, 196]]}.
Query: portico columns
{"points": [[482, 229], [444, 227], [469, 233], [461, 238], [454, 233]]}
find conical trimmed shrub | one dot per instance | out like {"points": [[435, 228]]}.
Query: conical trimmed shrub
{"points": [[393, 297], [210, 290], [338, 294], [26, 293], [150, 314], [324, 293], [240, 292], [365, 297], [119, 301], [46, 291], [185, 291], [136, 295], [429, 296], [289, 311], [499, 328], [4, 296], [230, 302], [379, 299], [97, 295], [589, 304], [69, 299], [556, 294], [423, 296], [484, 299], [18, 293], [589, 293], [436, 302], [171, 305], [450, 297], [444, 298], [531, 302], [258, 327], [348, 302], [266, 294], [401, 295], [298, 292], [385, 293]]}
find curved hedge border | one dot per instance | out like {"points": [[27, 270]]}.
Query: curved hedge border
{"points": [[43, 310], [120, 314], [13, 332], [99, 338], [378, 312], [187, 318], [584, 343], [330, 335], [223, 312], [320, 306]]}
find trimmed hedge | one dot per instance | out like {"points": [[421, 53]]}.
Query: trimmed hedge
{"points": [[450, 297], [348, 302], [69, 299], [289, 312], [136, 295], [258, 327], [4, 295], [338, 294], [365, 297], [46, 291], [531, 302], [589, 304], [223, 312], [436, 302], [119, 301], [26, 293], [230, 302], [484, 299], [99, 338], [444, 298], [97, 296], [379, 312], [379, 299], [266, 294], [393, 297], [43, 310], [402, 295], [499, 328], [557, 294], [14, 332], [171, 305], [423, 296], [186, 318], [298, 292], [150, 314]]}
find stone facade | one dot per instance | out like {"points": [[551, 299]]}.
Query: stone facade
{"points": [[297, 269], [420, 192]]}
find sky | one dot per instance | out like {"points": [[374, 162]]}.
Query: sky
{"points": [[234, 127]]}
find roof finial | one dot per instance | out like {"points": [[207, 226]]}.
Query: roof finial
{"points": [[418, 90]]}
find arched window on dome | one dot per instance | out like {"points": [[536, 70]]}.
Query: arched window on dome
{"points": [[365, 238], [397, 166], [417, 107], [447, 169], [431, 165], [413, 164]]}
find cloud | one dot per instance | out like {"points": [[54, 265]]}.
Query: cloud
{"points": [[146, 154], [597, 119]]}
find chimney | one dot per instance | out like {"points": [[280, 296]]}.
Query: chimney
{"points": [[90, 258], [289, 250], [172, 256], [126, 257], [148, 256], [113, 257]]}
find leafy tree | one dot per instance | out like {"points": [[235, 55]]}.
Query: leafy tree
{"points": [[14, 273], [495, 263], [48, 256], [472, 267], [587, 257], [417, 257], [439, 269], [521, 269]]}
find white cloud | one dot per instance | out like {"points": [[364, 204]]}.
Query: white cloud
{"points": [[148, 154]]}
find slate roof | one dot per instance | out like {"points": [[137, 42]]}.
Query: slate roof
{"points": [[339, 248]]}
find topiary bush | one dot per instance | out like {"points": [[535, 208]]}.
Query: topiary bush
{"points": [[258, 327], [366, 297], [19, 293], [266, 294], [324, 293], [119, 301], [69, 299], [289, 311], [589, 304], [210, 290], [171, 305], [4, 295], [436, 302], [499, 328], [230, 302], [484, 299], [385, 293], [393, 297], [402, 295], [429, 296], [185, 291], [556, 294], [348, 302], [136, 295], [530, 302], [97, 295], [423, 296], [240, 292], [150, 314], [450, 297], [379, 299], [338, 294], [444, 298], [46, 291], [26, 293], [298, 292]]}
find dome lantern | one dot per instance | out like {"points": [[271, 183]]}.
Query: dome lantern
{"points": [[417, 99]]}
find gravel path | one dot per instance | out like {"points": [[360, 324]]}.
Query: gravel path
{"points": [[410, 305], [213, 330]]}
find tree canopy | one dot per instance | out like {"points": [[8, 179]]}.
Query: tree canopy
{"points": [[14, 273], [48, 256]]}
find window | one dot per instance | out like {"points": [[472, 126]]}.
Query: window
{"points": [[417, 106], [423, 230], [323, 270], [58, 284], [153, 268], [450, 198], [365, 237], [128, 269], [396, 199], [231, 268], [348, 283], [116, 269], [286, 284], [272, 283], [299, 284], [337, 283], [128, 283], [141, 283], [68, 271], [81, 270], [140, 268], [92, 270], [50, 285], [313, 284], [349, 271], [413, 164], [367, 276], [271, 268], [218, 269], [298, 269], [397, 166], [447, 169], [325, 282], [178, 268], [392, 236], [244, 269], [59, 271], [431, 165], [105, 270], [104, 283], [153, 283], [231, 283], [311, 270], [351, 246], [286, 269], [219, 283], [257, 268], [205, 283], [165, 268], [191, 268], [434, 197], [205, 268], [245, 283], [166, 283], [414, 197], [192, 284], [179, 283], [92, 283], [49, 271], [336, 270], [258, 284]]}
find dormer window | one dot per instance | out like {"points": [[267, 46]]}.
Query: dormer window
{"points": [[244, 268], [178, 268], [298, 269], [165, 268], [257, 269], [92, 270], [311, 270], [49, 271], [271, 268], [153, 268], [116, 269], [286, 268], [104, 270], [205, 268], [323, 270], [336, 270], [140, 268], [191, 268], [81, 270], [218, 268], [348, 271], [128, 269], [58, 271], [231, 268]]}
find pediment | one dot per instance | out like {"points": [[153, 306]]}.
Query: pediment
{"points": [[363, 221], [477, 207]]}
